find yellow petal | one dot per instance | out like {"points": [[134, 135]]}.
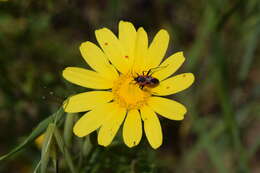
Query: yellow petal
{"points": [[152, 127], [174, 84], [113, 49], [86, 101], [158, 48], [169, 66], [132, 130], [39, 140], [168, 108], [111, 125], [92, 120], [86, 78], [97, 60], [127, 37], [141, 48]]}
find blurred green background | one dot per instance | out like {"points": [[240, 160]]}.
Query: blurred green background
{"points": [[220, 39]]}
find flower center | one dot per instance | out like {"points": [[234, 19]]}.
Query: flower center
{"points": [[128, 94]]}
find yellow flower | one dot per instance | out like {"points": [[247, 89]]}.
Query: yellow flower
{"points": [[39, 141], [118, 97]]}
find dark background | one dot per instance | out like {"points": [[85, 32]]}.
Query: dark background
{"points": [[220, 132]]}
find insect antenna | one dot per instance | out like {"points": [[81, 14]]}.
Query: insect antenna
{"points": [[155, 69]]}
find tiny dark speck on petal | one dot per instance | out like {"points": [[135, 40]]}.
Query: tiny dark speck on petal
{"points": [[126, 56], [106, 43], [184, 75], [167, 87], [134, 142]]}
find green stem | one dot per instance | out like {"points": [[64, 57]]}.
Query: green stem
{"points": [[69, 121], [64, 150]]}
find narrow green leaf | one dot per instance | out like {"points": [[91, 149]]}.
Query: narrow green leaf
{"points": [[69, 121], [46, 148], [37, 167], [35, 133], [64, 150], [87, 146], [54, 157]]}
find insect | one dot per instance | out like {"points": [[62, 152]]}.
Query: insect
{"points": [[147, 80]]}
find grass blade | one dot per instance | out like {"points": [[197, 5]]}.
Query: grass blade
{"points": [[35, 133], [69, 122], [64, 150], [46, 148]]}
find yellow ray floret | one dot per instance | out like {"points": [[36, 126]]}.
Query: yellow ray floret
{"points": [[132, 130]]}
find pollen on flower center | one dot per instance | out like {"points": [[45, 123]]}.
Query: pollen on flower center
{"points": [[128, 94]]}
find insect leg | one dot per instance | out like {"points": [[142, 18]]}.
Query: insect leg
{"points": [[148, 72]]}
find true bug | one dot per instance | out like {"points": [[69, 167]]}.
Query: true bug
{"points": [[147, 79]]}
